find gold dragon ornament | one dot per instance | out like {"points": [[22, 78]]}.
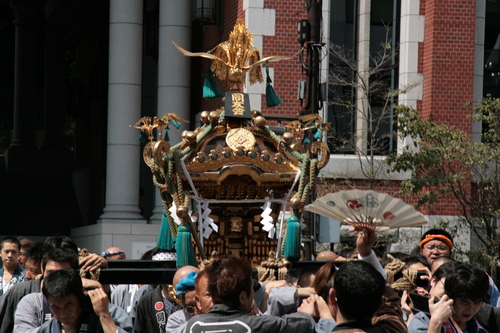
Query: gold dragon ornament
{"points": [[235, 57]]}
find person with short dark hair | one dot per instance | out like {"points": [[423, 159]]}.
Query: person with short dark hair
{"points": [[307, 276], [33, 309], [59, 242], [457, 293], [11, 300], [231, 286], [358, 290], [34, 261], [292, 276], [72, 310], [359, 299], [418, 262], [26, 244], [436, 243], [26, 309], [11, 272]]}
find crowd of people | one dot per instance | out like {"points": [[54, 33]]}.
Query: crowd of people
{"points": [[51, 286]]}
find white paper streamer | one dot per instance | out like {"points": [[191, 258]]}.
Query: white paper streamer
{"points": [[302, 224], [206, 222], [267, 219], [173, 213]]}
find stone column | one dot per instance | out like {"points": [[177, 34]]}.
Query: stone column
{"points": [[411, 36], [362, 104], [174, 71], [124, 109], [22, 150]]}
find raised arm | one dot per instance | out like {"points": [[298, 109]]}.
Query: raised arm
{"points": [[100, 303]]}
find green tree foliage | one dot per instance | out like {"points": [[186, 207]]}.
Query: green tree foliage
{"points": [[446, 162]]}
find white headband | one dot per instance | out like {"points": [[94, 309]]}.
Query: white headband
{"points": [[168, 256]]}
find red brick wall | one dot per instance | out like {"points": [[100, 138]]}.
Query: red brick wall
{"points": [[448, 61], [287, 73]]}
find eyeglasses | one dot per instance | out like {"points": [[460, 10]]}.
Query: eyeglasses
{"points": [[436, 247]]}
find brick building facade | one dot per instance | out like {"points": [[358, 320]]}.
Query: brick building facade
{"points": [[447, 50], [441, 51]]}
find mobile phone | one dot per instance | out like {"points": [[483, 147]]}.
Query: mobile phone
{"points": [[424, 283], [421, 302]]}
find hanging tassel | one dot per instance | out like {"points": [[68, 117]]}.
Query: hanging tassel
{"points": [[210, 88], [165, 239], [166, 137], [176, 124], [316, 132], [272, 99], [184, 247], [143, 137], [292, 241]]}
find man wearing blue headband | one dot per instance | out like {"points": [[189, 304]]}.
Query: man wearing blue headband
{"points": [[114, 253], [187, 294]]}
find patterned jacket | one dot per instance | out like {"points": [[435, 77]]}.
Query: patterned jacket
{"points": [[18, 276]]}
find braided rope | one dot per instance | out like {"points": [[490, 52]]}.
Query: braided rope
{"points": [[171, 223], [267, 270], [397, 267], [312, 179], [304, 167], [176, 147], [283, 239], [407, 281]]}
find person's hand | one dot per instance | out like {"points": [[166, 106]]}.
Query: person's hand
{"points": [[309, 306], [304, 292], [316, 307], [255, 309], [89, 284], [425, 277], [441, 310], [406, 302], [322, 306], [92, 261], [421, 291], [100, 301], [366, 238]]}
